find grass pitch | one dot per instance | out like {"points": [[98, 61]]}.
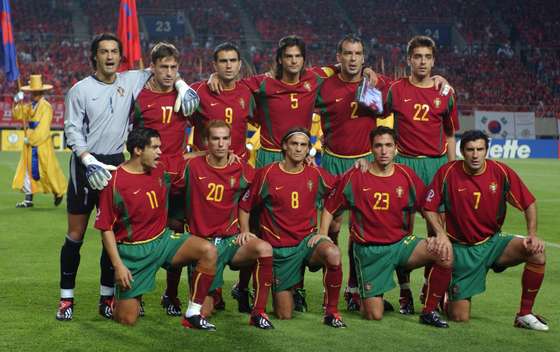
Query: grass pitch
{"points": [[30, 241]]}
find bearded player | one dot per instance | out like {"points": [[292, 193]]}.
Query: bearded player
{"points": [[290, 192], [473, 194], [132, 217], [382, 204]]}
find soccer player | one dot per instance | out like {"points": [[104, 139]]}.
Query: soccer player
{"points": [[213, 189], [425, 120], [383, 202], [132, 217], [234, 105], [96, 126], [473, 194], [154, 109], [289, 192]]}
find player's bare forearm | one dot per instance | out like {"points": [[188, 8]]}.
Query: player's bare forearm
{"points": [[451, 147], [531, 219], [244, 221], [435, 220], [326, 219], [110, 245]]}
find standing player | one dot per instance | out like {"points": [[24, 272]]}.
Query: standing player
{"points": [[96, 125], [290, 192], [213, 190], [383, 202], [473, 194], [234, 105], [132, 217], [154, 109], [425, 120]]}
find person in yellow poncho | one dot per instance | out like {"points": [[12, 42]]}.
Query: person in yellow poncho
{"points": [[38, 170]]}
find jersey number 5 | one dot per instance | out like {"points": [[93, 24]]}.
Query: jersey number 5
{"points": [[294, 103]]}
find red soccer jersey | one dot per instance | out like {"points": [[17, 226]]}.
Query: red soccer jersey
{"points": [[381, 208], [212, 196], [345, 124], [475, 205], [134, 205], [421, 115], [233, 106], [155, 110], [281, 106], [289, 201]]}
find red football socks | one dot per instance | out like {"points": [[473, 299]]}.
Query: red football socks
{"points": [[262, 279], [531, 281], [438, 282], [332, 280], [201, 283]]}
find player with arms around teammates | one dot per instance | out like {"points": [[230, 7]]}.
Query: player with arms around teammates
{"points": [[290, 191], [132, 218], [473, 195], [96, 126]]}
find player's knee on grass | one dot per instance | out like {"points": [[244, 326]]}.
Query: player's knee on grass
{"points": [[283, 305], [372, 308], [126, 312], [459, 311]]}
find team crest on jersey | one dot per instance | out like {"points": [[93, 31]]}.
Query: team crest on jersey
{"points": [[400, 191], [437, 102], [242, 103], [232, 181], [120, 91], [493, 187], [307, 86], [310, 185]]}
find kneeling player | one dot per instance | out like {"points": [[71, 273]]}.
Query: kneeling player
{"points": [[213, 189], [132, 217], [383, 202], [289, 192], [473, 194]]}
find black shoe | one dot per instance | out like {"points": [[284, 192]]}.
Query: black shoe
{"points": [[197, 322], [58, 200], [432, 318], [406, 303], [65, 309], [142, 312], [334, 320], [219, 303], [172, 306], [300, 304], [352, 301], [387, 306], [106, 306], [242, 298], [261, 321]]}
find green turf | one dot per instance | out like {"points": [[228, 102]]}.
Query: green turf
{"points": [[30, 243]]}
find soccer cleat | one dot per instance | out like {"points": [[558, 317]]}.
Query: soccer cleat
{"points": [[334, 320], [300, 304], [432, 318], [387, 306], [261, 321], [353, 301], [172, 306], [406, 303], [141, 312], [65, 309], [106, 306], [58, 200], [530, 321], [242, 298], [24, 204], [219, 303], [197, 322]]}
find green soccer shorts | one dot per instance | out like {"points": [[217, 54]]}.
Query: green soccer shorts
{"points": [[265, 157], [425, 168], [337, 166], [375, 264], [471, 264], [144, 259]]}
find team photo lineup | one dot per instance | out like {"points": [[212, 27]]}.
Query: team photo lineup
{"points": [[262, 175]]}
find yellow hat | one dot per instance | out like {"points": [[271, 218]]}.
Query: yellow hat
{"points": [[36, 84]]}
